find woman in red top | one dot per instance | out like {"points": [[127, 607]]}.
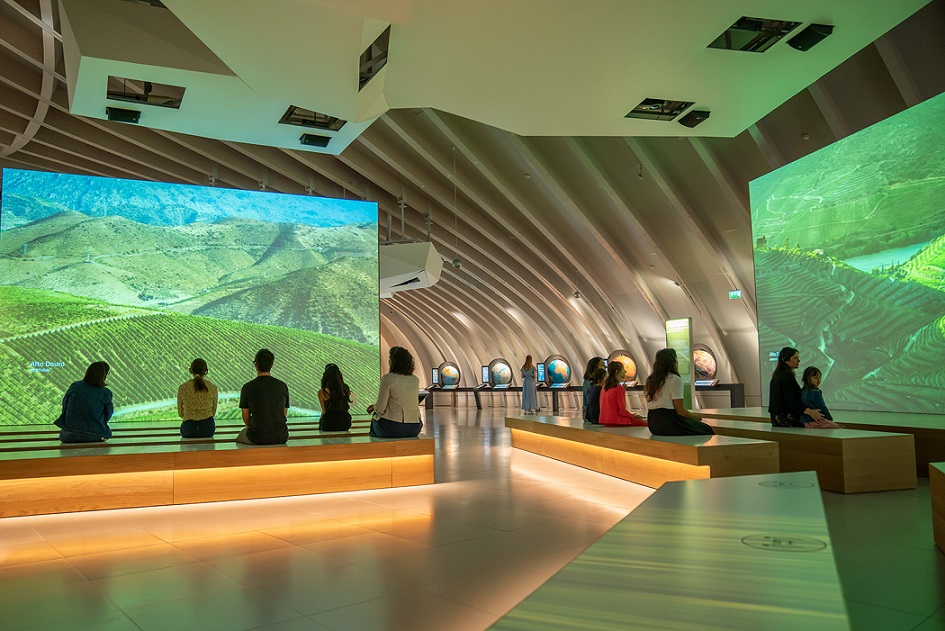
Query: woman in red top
{"points": [[613, 399]]}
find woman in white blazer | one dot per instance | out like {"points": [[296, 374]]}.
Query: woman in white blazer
{"points": [[397, 411]]}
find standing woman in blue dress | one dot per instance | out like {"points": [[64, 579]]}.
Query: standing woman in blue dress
{"points": [[529, 386]]}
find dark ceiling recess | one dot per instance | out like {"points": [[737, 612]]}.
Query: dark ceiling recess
{"points": [[144, 92], [122, 115], [314, 140], [754, 35], [693, 118], [153, 3], [659, 109], [308, 118], [810, 36], [373, 59]]}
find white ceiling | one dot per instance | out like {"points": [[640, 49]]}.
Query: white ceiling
{"points": [[532, 67]]}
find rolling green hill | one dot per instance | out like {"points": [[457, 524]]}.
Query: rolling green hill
{"points": [[24, 310], [232, 268], [336, 299]]}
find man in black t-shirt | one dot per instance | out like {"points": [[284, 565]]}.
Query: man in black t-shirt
{"points": [[264, 402]]}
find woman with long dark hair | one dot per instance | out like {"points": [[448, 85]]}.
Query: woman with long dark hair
{"points": [[613, 399], [197, 403], [592, 365], [593, 403], [784, 401], [667, 415], [335, 399], [397, 410], [529, 386], [87, 407]]}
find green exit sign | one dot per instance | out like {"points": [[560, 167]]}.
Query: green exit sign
{"points": [[735, 294]]}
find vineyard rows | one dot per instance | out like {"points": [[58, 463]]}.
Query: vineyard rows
{"points": [[871, 334], [149, 357]]}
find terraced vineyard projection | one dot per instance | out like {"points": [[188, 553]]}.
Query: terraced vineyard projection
{"points": [[146, 355], [850, 264], [147, 276]]}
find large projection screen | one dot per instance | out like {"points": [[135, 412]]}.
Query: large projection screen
{"points": [[148, 276], [849, 251]]}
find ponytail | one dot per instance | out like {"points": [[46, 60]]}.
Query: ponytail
{"points": [[198, 368]]}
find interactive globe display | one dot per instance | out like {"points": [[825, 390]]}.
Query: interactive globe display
{"points": [[449, 375], [501, 372], [558, 371], [704, 362], [628, 363]]}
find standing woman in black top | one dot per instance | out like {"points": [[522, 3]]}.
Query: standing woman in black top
{"points": [[335, 399], [784, 401]]}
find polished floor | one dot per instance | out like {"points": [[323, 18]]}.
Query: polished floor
{"points": [[455, 555]]}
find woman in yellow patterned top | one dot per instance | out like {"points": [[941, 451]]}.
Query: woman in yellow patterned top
{"points": [[197, 403]]}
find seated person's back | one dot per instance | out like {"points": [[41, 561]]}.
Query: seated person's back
{"points": [[593, 401], [87, 407], [264, 402]]}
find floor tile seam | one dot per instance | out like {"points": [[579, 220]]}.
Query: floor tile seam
{"points": [[896, 544], [344, 536], [128, 611], [211, 538], [125, 575], [517, 569], [459, 602], [449, 542], [159, 543], [896, 609], [95, 584], [357, 604]]}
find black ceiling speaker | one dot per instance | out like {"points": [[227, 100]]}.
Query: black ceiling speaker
{"points": [[810, 36], [314, 140], [122, 115], [694, 118]]}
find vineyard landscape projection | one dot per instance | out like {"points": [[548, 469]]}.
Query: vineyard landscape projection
{"points": [[849, 250], [148, 276]]}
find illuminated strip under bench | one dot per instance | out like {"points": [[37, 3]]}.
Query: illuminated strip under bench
{"points": [[632, 453], [38, 437], [937, 491], [95, 478], [846, 460], [928, 430], [750, 552]]}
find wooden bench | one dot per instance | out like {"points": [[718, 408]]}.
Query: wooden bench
{"points": [[846, 460], [39, 437], [132, 470], [632, 453], [937, 492], [928, 430], [745, 553]]}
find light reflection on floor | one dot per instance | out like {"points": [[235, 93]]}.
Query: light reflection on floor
{"points": [[452, 556]]}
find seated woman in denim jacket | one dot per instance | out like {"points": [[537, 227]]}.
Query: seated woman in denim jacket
{"points": [[86, 408]]}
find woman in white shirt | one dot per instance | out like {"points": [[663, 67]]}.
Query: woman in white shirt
{"points": [[667, 415], [397, 411]]}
